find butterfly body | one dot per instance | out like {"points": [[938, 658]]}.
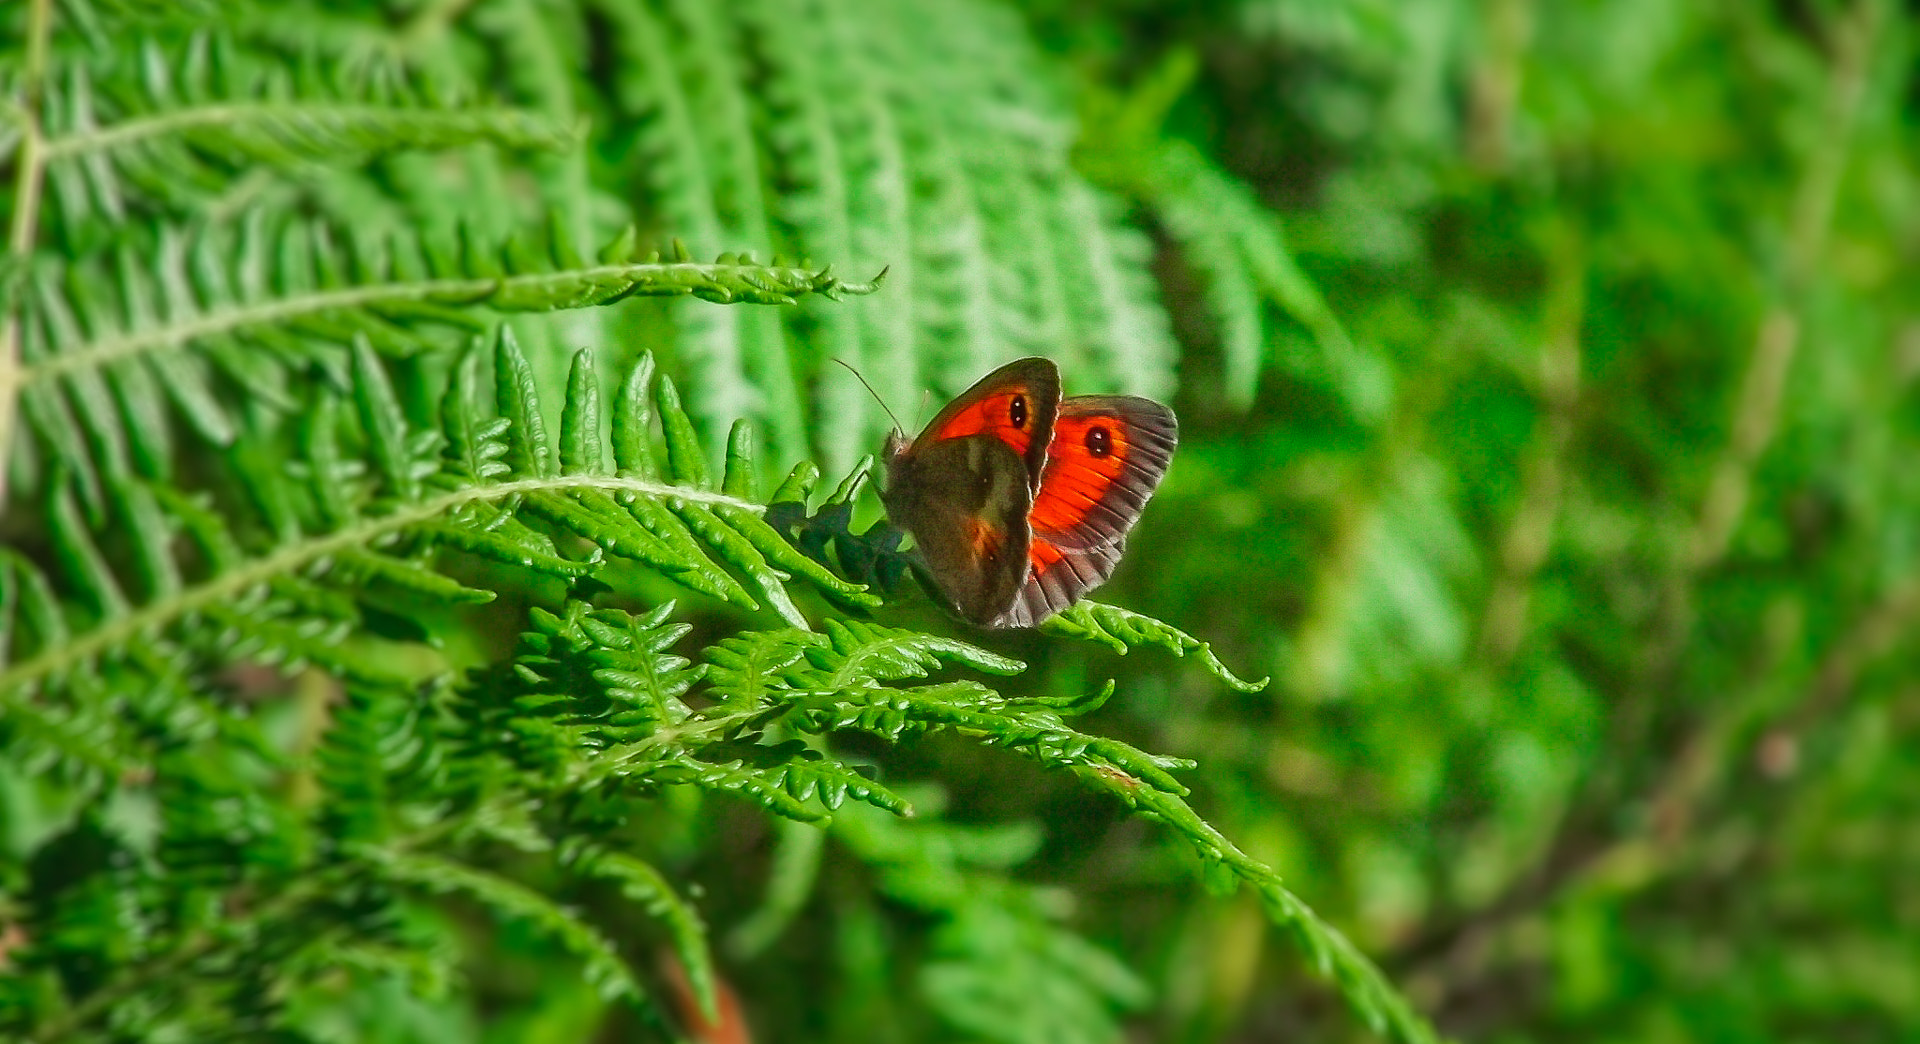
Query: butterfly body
{"points": [[1019, 501]]}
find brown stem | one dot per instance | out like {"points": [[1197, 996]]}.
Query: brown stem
{"points": [[1496, 82]]}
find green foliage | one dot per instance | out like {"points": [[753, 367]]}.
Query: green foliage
{"points": [[1564, 542], [416, 779], [1121, 630], [398, 640], [281, 476]]}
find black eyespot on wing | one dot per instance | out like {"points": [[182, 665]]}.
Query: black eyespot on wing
{"points": [[1017, 412], [1099, 441]]}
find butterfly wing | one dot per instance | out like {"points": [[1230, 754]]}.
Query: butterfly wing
{"points": [[1015, 404], [1107, 456], [965, 500], [964, 488]]}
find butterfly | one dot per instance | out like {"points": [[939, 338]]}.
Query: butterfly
{"points": [[1019, 501]]}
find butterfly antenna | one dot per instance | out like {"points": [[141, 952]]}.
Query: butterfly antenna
{"points": [[876, 396]]}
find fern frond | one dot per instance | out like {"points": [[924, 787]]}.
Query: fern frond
{"points": [[1120, 327], [843, 136], [861, 654], [235, 304], [747, 670], [601, 963], [646, 886], [694, 147], [200, 113], [379, 763], [1237, 245], [1225, 866], [1122, 629], [330, 539], [679, 528], [621, 657]]}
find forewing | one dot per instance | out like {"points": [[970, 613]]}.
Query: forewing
{"points": [[1015, 404]]}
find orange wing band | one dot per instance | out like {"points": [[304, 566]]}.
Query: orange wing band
{"points": [[993, 415], [1077, 481]]}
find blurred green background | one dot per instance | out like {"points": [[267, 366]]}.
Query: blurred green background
{"points": [[1547, 379]]}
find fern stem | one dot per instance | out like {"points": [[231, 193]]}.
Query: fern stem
{"points": [[284, 310], [26, 208], [666, 737], [22, 231], [118, 135], [229, 587], [1333, 955]]}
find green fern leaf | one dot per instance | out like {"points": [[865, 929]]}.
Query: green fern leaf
{"points": [[646, 886], [749, 669], [860, 654], [686, 460], [1330, 952], [1121, 629], [201, 110], [196, 309], [602, 965], [528, 451], [580, 430]]}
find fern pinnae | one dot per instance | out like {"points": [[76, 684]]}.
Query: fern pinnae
{"points": [[646, 886], [719, 84], [632, 417], [798, 486], [652, 95], [474, 441], [1333, 955], [861, 654], [686, 458], [377, 570], [122, 622], [818, 210], [150, 532], [383, 422], [787, 559], [742, 552], [738, 478], [107, 441], [518, 399], [1124, 326], [332, 480], [31, 601], [580, 430], [203, 105], [602, 522], [1122, 629], [746, 670], [602, 964], [46, 413], [79, 555], [634, 666], [289, 288]]}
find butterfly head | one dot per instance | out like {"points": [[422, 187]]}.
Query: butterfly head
{"points": [[898, 442]]}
